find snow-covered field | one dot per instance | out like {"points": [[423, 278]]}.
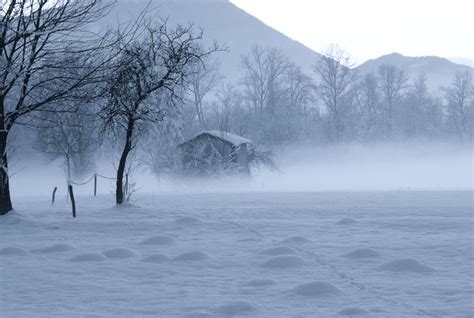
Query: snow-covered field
{"points": [[380, 254]]}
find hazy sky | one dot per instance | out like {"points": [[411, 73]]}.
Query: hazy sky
{"points": [[370, 28]]}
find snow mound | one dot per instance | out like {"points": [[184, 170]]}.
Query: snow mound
{"points": [[362, 253], [283, 261], [248, 239], [353, 311], [279, 250], [188, 220], [377, 310], [259, 282], [198, 315], [346, 221], [89, 257], [405, 265], [296, 240], [235, 308], [56, 248], [119, 253], [13, 251], [192, 256], [156, 258], [159, 240], [317, 289]]}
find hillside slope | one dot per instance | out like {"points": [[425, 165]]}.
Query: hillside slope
{"points": [[224, 22], [439, 71]]}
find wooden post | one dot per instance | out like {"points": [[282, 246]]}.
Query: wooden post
{"points": [[54, 195], [73, 202], [95, 184]]}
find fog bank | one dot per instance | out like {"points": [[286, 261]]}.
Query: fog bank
{"points": [[392, 167]]}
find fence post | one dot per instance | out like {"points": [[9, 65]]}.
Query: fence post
{"points": [[54, 195], [95, 184], [73, 202]]}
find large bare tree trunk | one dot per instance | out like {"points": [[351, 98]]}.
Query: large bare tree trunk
{"points": [[119, 193], [5, 200]]}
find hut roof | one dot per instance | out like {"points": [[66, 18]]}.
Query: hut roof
{"points": [[228, 137]]}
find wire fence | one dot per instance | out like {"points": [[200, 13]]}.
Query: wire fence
{"points": [[70, 191], [93, 177]]}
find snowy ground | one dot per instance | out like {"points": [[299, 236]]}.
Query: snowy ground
{"points": [[384, 254]]}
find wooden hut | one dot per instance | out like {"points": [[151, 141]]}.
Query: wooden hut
{"points": [[215, 152]]}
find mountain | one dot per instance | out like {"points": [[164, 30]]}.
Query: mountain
{"points": [[462, 60], [439, 71], [239, 31], [221, 21]]}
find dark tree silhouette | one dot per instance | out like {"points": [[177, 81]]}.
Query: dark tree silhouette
{"points": [[46, 56], [160, 60]]}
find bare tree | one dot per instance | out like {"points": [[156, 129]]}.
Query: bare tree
{"points": [[160, 60], [300, 91], [368, 99], [204, 79], [337, 77], [460, 99], [392, 83], [264, 69], [69, 135], [417, 102], [229, 114], [37, 38], [161, 155]]}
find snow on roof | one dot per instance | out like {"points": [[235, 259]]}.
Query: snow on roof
{"points": [[225, 136]]}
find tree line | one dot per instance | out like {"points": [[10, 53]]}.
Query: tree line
{"points": [[275, 103]]}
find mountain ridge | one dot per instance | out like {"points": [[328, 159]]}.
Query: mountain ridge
{"points": [[439, 71], [223, 21]]}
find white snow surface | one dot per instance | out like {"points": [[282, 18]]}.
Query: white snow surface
{"points": [[403, 254]]}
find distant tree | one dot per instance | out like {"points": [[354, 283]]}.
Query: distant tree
{"points": [[38, 38], [278, 96], [460, 104], [229, 102], [336, 82], [417, 100], [264, 69], [393, 83], [159, 146], [300, 91], [204, 79], [162, 59], [69, 135], [368, 100]]}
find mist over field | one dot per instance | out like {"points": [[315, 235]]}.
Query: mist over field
{"points": [[414, 166]]}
